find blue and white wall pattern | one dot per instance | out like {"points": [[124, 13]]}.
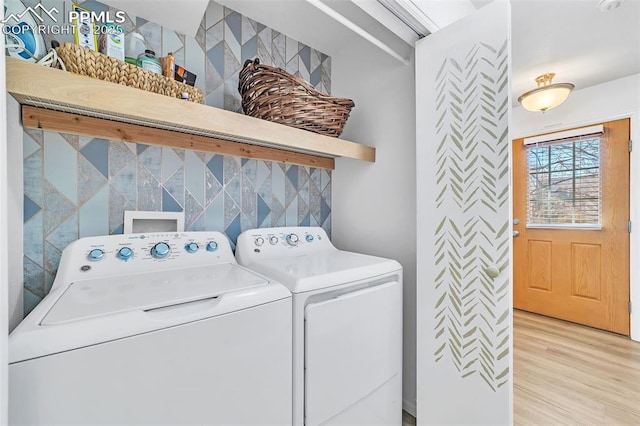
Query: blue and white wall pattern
{"points": [[78, 186]]}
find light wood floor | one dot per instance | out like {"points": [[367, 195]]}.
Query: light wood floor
{"points": [[567, 374]]}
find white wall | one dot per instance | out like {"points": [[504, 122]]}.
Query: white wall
{"points": [[604, 102], [4, 242], [373, 205], [15, 200], [464, 253]]}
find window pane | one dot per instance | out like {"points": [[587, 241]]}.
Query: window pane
{"points": [[561, 156], [564, 183], [561, 185], [588, 154], [538, 160]]}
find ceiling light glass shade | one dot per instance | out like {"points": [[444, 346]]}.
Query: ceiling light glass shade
{"points": [[547, 95]]}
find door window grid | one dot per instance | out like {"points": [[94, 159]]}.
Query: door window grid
{"points": [[564, 184]]}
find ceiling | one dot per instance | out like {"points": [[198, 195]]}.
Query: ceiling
{"points": [[185, 19], [571, 38], [575, 40]]}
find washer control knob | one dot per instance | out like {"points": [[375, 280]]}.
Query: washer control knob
{"points": [[212, 246], [160, 250], [259, 241], [273, 240], [309, 238], [191, 247], [96, 254], [292, 239], [125, 253]]}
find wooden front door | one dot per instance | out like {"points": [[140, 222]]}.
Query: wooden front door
{"points": [[571, 267]]}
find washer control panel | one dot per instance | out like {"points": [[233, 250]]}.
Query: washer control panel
{"points": [[285, 241], [137, 253], [155, 246]]}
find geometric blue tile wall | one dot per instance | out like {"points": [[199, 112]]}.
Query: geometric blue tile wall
{"points": [[78, 186]]}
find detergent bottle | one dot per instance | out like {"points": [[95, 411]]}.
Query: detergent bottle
{"points": [[22, 39]]}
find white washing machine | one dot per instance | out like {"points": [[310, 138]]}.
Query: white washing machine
{"points": [[347, 325], [155, 329]]}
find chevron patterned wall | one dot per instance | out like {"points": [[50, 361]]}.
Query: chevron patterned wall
{"points": [[80, 186], [472, 233]]}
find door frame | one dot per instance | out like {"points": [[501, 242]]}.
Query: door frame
{"points": [[634, 204], [4, 243]]}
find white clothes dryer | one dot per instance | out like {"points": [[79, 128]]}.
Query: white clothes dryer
{"points": [[155, 329], [347, 325]]}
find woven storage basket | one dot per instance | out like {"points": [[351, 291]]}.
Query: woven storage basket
{"points": [[83, 61], [273, 94]]}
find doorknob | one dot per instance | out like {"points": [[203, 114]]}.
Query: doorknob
{"points": [[492, 271], [516, 233]]}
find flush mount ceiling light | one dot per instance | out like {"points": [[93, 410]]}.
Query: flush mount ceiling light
{"points": [[547, 95]]}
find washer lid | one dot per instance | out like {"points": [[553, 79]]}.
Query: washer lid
{"points": [[323, 269], [104, 296]]}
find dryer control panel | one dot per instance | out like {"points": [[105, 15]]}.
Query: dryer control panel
{"points": [[283, 241], [111, 255]]}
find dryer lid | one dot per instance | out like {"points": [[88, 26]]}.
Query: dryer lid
{"points": [[104, 296], [323, 269]]}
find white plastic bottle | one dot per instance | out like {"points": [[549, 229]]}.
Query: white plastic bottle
{"points": [[134, 47]]}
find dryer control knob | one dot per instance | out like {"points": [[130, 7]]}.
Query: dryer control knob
{"points": [[309, 238], [125, 253], [96, 254], [191, 247], [160, 250], [273, 240], [259, 241], [212, 246], [292, 239]]}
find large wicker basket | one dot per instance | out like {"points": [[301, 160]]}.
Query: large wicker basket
{"points": [[83, 61], [273, 94]]}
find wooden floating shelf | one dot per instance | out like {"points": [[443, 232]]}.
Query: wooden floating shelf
{"points": [[64, 102]]}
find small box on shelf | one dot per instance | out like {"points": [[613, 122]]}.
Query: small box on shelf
{"points": [[111, 41], [184, 76], [84, 28]]}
